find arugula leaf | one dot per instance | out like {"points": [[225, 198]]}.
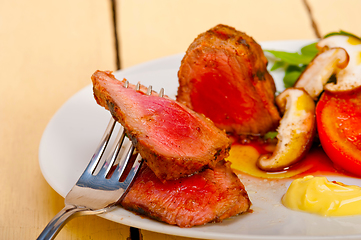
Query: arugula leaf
{"points": [[292, 73], [290, 78], [310, 50], [277, 65], [293, 63], [341, 32], [270, 135], [291, 58]]}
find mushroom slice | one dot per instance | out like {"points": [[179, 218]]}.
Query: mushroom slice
{"points": [[319, 71], [349, 77], [295, 132]]}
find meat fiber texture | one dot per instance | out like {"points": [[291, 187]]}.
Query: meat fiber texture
{"points": [[223, 75], [209, 196], [173, 140]]}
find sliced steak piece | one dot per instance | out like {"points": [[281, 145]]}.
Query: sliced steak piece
{"points": [[209, 196], [223, 75], [172, 139]]}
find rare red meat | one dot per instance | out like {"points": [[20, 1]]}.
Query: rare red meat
{"points": [[172, 139], [209, 196], [223, 75]]}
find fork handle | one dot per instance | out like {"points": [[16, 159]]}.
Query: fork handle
{"points": [[56, 224]]}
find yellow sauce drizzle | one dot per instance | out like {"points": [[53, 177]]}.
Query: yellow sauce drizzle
{"points": [[244, 158], [318, 195]]}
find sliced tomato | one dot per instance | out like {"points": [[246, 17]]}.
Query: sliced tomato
{"points": [[339, 128]]}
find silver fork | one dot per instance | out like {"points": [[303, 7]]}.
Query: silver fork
{"points": [[96, 193]]}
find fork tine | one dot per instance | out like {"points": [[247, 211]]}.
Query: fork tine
{"points": [[113, 154], [137, 164], [149, 90], [101, 147], [120, 169], [161, 92]]}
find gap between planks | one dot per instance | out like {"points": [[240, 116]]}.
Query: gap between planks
{"points": [[115, 32], [313, 22]]}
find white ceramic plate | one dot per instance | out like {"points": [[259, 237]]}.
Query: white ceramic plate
{"points": [[73, 133]]}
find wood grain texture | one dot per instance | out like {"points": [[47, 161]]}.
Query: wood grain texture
{"points": [[336, 15], [48, 51], [157, 28]]}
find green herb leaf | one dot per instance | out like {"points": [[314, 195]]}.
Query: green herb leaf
{"points": [[270, 135], [310, 50], [291, 75], [278, 64], [291, 58], [293, 68], [290, 78], [341, 32], [293, 63]]}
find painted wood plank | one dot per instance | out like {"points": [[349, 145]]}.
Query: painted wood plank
{"points": [[48, 51]]}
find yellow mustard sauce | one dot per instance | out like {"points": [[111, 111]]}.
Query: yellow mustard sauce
{"points": [[319, 196]]}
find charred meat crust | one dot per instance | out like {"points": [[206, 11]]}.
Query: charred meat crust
{"points": [[224, 67]]}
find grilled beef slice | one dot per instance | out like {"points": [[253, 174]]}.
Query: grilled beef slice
{"points": [[209, 196], [223, 75], [172, 139]]}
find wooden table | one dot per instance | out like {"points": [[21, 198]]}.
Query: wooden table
{"points": [[49, 49]]}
